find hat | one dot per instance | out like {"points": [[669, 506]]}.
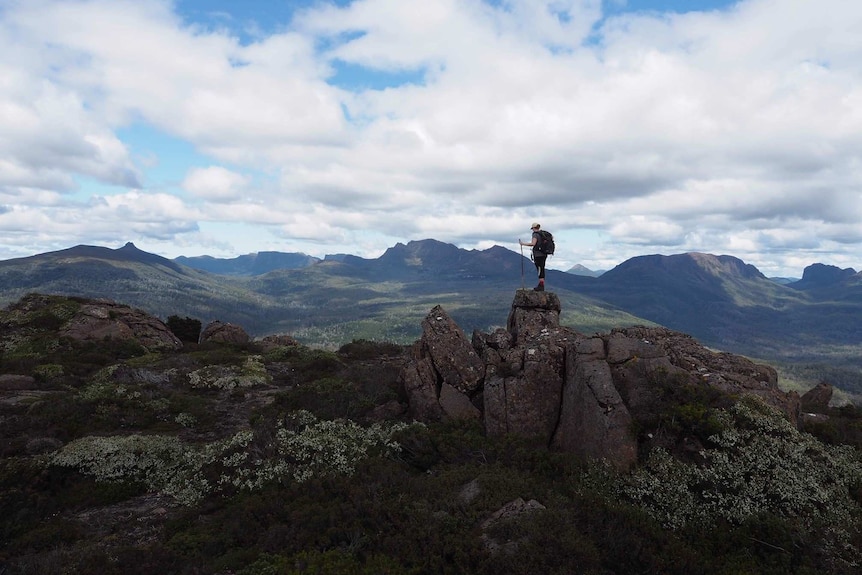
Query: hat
{"points": [[534, 226]]}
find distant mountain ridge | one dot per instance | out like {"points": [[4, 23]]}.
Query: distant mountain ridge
{"points": [[823, 276], [128, 253], [250, 264], [720, 300], [581, 270]]}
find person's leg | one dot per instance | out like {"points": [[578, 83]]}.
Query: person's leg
{"points": [[540, 266]]}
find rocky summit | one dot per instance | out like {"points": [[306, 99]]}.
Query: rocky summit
{"points": [[578, 393]]}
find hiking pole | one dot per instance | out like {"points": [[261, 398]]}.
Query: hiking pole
{"points": [[522, 264]]}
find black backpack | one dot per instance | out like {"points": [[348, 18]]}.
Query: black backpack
{"points": [[546, 242]]}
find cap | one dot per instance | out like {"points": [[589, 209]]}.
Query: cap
{"points": [[534, 226]]}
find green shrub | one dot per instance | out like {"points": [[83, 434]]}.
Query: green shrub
{"points": [[326, 398], [759, 464], [331, 562], [302, 447], [186, 329], [310, 362], [48, 373], [363, 349], [251, 373]]}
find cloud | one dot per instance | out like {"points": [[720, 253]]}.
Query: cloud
{"points": [[49, 135], [736, 128], [215, 183]]}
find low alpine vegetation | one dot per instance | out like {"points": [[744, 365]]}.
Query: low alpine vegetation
{"points": [[302, 447]]}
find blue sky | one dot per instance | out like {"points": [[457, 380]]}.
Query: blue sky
{"points": [[217, 127]]}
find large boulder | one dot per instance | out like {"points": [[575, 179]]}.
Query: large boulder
{"points": [[221, 332], [445, 372], [275, 341], [98, 320], [817, 398], [452, 354], [421, 387]]}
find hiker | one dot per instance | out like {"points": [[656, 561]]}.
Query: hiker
{"points": [[537, 255]]}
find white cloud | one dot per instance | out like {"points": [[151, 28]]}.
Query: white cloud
{"points": [[736, 129], [215, 183]]}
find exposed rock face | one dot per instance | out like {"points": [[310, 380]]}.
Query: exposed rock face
{"points": [[594, 420], [421, 386], [532, 312], [445, 371], [454, 359], [817, 398], [525, 371], [271, 342], [104, 319], [677, 355], [577, 393], [221, 332]]}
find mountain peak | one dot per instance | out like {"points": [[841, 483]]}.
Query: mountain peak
{"points": [[822, 275], [582, 270], [690, 263]]}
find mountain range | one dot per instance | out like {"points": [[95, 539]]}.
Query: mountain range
{"points": [[719, 299]]}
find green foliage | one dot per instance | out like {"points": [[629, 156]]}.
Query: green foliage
{"points": [[327, 398], [360, 349], [758, 464], [187, 330], [678, 410], [48, 372], [300, 448], [217, 353], [315, 362], [252, 373], [331, 562]]}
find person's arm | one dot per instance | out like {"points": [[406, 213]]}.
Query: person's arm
{"points": [[532, 241]]}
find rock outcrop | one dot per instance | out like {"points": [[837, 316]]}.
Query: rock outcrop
{"points": [[221, 332], [270, 342], [577, 393], [444, 373], [98, 320], [817, 398]]}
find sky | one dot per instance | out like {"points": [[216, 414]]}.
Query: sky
{"points": [[625, 127]]}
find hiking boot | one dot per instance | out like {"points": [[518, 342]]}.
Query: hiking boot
{"points": [[540, 287]]}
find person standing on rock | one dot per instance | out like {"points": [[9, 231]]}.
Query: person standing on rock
{"points": [[538, 256]]}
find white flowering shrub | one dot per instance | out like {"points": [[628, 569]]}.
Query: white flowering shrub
{"points": [[186, 419], [162, 463], [334, 446], [758, 464], [303, 447], [102, 387], [252, 373], [105, 390]]}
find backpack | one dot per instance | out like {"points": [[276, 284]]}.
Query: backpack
{"points": [[546, 242]]}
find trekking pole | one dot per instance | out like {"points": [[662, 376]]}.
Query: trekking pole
{"points": [[522, 264]]}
